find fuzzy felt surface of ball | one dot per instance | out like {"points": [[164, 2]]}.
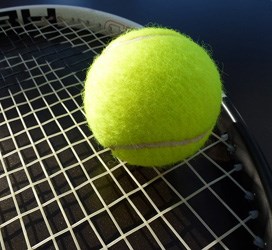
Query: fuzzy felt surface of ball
{"points": [[152, 96]]}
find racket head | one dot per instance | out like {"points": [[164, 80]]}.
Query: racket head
{"points": [[61, 189]]}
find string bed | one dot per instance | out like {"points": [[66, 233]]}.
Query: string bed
{"points": [[61, 190]]}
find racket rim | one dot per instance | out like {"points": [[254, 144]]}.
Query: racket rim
{"points": [[262, 166], [54, 6]]}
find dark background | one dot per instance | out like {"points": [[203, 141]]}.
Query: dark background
{"points": [[239, 32]]}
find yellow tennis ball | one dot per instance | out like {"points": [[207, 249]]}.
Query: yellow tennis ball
{"points": [[153, 96]]}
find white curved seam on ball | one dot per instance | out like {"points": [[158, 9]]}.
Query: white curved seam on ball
{"points": [[160, 144], [135, 39]]}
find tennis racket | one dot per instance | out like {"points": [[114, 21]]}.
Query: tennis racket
{"points": [[59, 189]]}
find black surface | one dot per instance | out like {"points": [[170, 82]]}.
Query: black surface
{"points": [[237, 31]]}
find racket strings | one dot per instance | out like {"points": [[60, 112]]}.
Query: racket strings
{"points": [[70, 187], [45, 51]]}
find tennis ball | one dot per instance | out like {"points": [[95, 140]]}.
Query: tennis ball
{"points": [[153, 96]]}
